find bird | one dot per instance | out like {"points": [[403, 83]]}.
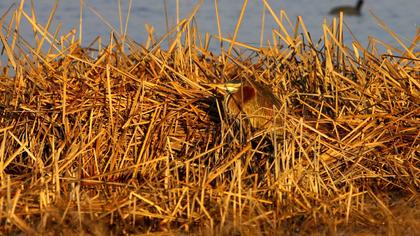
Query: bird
{"points": [[348, 10], [249, 97]]}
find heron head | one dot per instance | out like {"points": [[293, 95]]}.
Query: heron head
{"points": [[229, 87]]}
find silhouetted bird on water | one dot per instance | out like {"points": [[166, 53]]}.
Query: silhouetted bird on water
{"points": [[348, 10]]}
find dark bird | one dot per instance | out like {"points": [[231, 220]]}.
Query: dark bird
{"points": [[348, 10], [251, 98]]}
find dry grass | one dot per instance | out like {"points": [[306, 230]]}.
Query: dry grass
{"points": [[131, 139]]}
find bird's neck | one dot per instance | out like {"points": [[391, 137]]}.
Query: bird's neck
{"points": [[359, 5], [246, 93]]}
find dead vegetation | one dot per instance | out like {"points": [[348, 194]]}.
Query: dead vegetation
{"points": [[130, 138]]}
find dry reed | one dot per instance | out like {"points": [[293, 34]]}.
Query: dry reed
{"points": [[130, 138]]}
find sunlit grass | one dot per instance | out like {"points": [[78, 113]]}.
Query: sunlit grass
{"points": [[130, 138]]}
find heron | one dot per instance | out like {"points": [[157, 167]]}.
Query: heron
{"points": [[249, 97]]}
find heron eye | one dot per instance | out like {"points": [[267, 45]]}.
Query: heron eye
{"points": [[247, 93]]}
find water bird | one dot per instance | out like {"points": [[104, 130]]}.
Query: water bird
{"points": [[348, 10], [255, 100]]}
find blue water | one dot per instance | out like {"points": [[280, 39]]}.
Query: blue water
{"points": [[401, 16]]}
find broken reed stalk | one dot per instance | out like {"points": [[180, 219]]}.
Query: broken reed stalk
{"points": [[135, 141]]}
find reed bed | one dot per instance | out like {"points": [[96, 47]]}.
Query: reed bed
{"points": [[130, 138]]}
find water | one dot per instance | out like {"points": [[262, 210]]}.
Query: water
{"points": [[400, 16]]}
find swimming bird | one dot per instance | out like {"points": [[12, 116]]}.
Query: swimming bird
{"points": [[251, 98], [348, 10]]}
